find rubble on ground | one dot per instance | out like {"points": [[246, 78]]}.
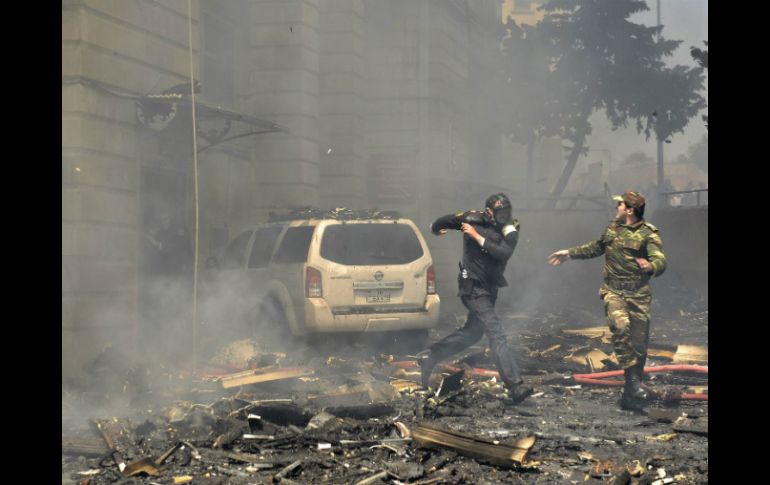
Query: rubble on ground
{"points": [[359, 416]]}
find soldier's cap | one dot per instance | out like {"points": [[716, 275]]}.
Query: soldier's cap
{"points": [[631, 199]]}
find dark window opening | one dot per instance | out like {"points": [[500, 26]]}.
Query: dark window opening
{"points": [[264, 243], [370, 244], [295, 245], [235, 254]]}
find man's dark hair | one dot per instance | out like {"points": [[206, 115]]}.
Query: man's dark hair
{"points": [[639, 212]]}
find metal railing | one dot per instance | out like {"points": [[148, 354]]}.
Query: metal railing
{"points": [[574, 203], [686, 198]]}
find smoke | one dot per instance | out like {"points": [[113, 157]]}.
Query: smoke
{"points": [[419, 94]]}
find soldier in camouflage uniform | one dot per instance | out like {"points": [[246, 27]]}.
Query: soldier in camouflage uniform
{"points": [[633, 254]]}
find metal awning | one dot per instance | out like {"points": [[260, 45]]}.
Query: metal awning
{"points": [[170, 113], [166, 113]]}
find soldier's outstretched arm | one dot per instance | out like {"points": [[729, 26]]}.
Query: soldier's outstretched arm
{"points": [[592, 249], [558, 257]]}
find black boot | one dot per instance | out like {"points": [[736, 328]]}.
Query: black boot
{"points": [[632, 399], [638, 391], [427, 363], [519, 392]]}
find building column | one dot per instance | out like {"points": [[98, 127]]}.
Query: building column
{"points": [[282, 86], [343, 168]]}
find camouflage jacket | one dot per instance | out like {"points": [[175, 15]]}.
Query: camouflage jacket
{"points": [[621, 244]]}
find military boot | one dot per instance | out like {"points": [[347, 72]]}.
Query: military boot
{"points": [[631, 399], [638, 391]]}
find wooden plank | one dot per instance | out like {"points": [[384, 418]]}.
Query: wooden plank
{"points": [[697, 426], [498, 454], [589, 332], [591, 357], [665, 354], [71, 445], [405, 386], [288, 373], [691, 354]]}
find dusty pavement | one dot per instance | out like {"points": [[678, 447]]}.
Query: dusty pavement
{"points": [[336, 422]]}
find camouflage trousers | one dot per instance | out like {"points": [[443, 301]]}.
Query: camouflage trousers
{"points": [[628, 316]]}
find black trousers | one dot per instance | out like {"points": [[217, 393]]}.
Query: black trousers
{"points": [[481, 319]]}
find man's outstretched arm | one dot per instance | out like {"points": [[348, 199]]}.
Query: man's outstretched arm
{"points": [[449, 221], [584, 251]]}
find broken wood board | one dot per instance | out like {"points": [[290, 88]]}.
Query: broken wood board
{"points": [[591, 357], [691, 354], [145, 465], [661, 353], [405, 374], [698, 426], [71, 445], [543, 353], [509, 455], [603, 332], [666, 415], [239, 379], [402, 385]]}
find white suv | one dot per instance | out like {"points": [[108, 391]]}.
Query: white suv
{"points": [[335, 272]]}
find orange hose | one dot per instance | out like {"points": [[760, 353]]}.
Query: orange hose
{"points": [[702, 369], [590, 379]]}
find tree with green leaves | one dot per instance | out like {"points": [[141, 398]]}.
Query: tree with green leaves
{"points": [[702, 58], [528, 111], [599, 60]]}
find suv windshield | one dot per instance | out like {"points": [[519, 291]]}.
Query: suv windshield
{"points": [[370, 244]]}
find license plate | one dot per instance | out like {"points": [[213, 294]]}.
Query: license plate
{"points": [[378, 296]]}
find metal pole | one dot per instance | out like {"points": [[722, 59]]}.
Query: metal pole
{"points": [[661, 176], [195, 181]]}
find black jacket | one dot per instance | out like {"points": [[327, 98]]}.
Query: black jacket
{"points": [[485, 265]]}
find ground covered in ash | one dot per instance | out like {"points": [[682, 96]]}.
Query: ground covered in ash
{"points": [[352, 418]]}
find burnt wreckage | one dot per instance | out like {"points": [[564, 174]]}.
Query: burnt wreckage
{"points": [[347, 412]]}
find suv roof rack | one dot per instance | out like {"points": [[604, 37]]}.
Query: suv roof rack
{"points": [[339, 213]]}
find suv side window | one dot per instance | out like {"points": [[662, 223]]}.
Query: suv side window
{"points": [[264, 243], [295, 245], [235, 253]]}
